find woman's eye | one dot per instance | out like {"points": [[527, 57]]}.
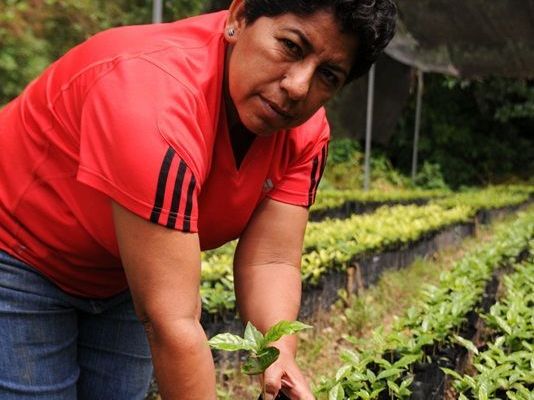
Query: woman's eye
{"points": [[292, 47], [331, 78]]}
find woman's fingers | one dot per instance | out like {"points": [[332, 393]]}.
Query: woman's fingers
{"points": [[295, 386], [285, 376], [272, 381]]}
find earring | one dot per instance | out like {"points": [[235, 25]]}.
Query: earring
{"points": [[231, 32]]}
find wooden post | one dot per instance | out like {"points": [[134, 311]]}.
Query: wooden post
{"points": [[355, 283]]}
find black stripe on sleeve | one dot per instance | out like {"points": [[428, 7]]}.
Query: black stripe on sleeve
{"points": [[162, 183], [176, 195], [189, 204], [324, 155], [313, 180]]}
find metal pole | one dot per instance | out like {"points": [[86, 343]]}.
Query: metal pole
{"points": [[369, 127], [157, 11], [420, 83]]}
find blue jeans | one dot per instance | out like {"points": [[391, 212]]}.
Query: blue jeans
{"points": [[54, 346]]}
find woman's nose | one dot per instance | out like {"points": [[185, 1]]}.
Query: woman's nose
{"points": [[297, 81]]}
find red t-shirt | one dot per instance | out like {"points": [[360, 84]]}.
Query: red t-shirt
{"points": [[134, 115]]}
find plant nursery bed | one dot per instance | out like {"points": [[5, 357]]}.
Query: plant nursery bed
{"points": [[430, 382], [487, 216], [351, 207], [365, 271]]}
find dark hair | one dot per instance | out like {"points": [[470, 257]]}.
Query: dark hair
{"points": [[371, 21]]}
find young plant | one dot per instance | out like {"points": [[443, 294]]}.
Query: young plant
{"points": [[260, 354]]}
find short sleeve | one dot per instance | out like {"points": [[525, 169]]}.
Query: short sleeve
{"points": [[301, 179], [124, 154]]}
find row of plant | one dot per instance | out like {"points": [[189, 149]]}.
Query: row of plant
{"points": [[520, 188], [388, 366], [331, 198], [488, 198], [504, 361], [332, 244]]}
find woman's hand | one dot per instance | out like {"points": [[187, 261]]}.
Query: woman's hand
{"points": [[286, 376], [268, 285]]}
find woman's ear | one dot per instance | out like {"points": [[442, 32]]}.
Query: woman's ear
{"points": [[236, 21]]}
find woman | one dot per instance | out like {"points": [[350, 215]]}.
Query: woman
{"points": [[137, 150]]}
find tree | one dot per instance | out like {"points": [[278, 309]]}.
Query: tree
{"points": [[33, 33]]}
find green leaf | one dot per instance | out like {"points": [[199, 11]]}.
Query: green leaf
{"points": [[371, 376], [452, 373], [469, 381], [376, 392], [283, 328], [384, 364], [357, 377], [466, 343], [336, 393], [522, 390], [350, 357], [406, 360], [393, 387], [343, 372], [483, 392], [528, 346], [389, 372], [254, 336], [229, 342], [512, 396], [499, 341], [425, 325], [257, 363], [503, 325]]}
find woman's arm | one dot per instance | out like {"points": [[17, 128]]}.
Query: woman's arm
{"points": [[163, 271], [268, 284]]}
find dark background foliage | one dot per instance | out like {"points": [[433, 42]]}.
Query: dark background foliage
{"points": [[478, 132]]}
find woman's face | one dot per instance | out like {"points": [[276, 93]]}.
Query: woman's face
{"points": [[281, 70]]}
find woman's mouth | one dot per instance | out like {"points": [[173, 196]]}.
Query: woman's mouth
{"points": [[274, 110]]}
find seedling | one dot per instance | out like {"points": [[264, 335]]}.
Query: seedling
{"points": [[260, 354]]}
